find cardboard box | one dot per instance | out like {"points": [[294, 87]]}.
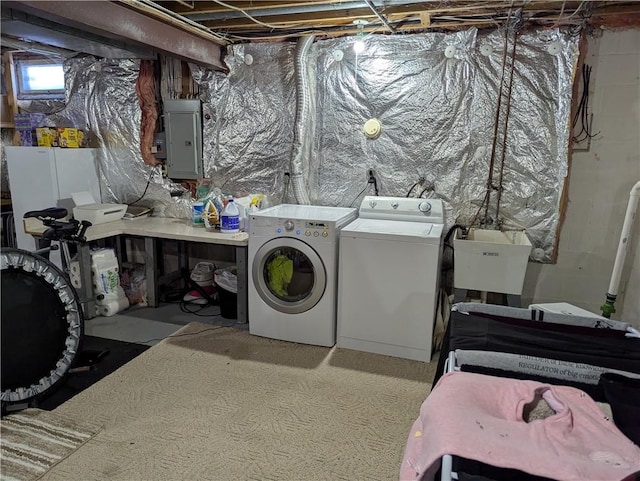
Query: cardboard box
{"points": [[24, 138], [83, 139], [47, 136], [68, 138], [27, 121], [25, 124]]}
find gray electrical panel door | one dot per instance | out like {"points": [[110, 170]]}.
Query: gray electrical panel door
{"points": [[183, 128]]}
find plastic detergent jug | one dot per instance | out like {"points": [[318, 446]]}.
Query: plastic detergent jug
{"points": [[230, 219]]}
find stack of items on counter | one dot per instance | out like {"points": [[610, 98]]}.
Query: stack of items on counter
{"points": [[29, 132], [217, 211]]}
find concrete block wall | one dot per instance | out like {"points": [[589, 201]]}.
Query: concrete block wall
{"points": [[599, 184]]}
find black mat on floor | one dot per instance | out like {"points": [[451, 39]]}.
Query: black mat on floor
{"points": [[104, 356]]}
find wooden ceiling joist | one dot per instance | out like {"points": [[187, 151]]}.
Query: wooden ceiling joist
{"points": [[289, 18]]}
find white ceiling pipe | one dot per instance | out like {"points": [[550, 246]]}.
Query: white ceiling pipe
{"points": [[623, 245]]}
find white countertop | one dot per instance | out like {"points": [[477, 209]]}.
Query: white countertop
{"points": [[160, 227]]}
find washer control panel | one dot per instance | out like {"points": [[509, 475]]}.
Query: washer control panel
{"points": [[304, 229]]}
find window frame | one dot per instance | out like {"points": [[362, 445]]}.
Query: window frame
{"points": [[28, 94]]}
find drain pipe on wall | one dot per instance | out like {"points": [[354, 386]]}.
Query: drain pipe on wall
{"points": [[301, 137], [608, 307]]}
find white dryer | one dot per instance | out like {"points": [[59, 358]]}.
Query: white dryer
{"points": [[293, 260], [389, 272]]}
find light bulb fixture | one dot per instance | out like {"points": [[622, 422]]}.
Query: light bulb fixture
{"points": [[358, 45]]}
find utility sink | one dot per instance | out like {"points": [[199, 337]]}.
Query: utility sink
{"points": [[491, 260]]}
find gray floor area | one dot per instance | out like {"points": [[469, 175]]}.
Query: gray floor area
{"points": [[146, 325]]}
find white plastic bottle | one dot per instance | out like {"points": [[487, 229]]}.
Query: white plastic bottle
{"points": [[230, 218], [253, 208]]}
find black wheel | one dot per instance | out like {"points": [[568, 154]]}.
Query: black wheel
{"points": [[42, 327]]}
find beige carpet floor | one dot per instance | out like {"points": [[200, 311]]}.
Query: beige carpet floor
{"points": [[225, 405]]}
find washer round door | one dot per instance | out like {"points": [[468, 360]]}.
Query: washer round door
{"points": [[289, 275]]}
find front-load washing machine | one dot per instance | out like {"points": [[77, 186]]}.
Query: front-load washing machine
{"points": [[389, 277], [293, 271]]}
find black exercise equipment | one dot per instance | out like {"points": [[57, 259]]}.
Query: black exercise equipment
{"points": [[42, 319]]}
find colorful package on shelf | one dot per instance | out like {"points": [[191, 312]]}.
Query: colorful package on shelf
{"points": [[27, 120], [47, 136], [83, 139], [24, 138], [25, 124], [68, 138]]}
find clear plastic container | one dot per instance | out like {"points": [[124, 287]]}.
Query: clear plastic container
{"points": [[230, 218], [197, 208]]}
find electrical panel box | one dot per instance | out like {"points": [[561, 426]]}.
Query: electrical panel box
{"points": [[183, 130]]}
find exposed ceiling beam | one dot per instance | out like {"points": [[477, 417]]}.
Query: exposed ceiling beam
{"points": [[117, 21], [35, 47], [35, 29]]}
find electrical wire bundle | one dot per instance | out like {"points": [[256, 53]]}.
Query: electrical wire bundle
{"points": [[372, 180], [189, 307], [183, 335], [145, 190], [196, 306], [582, 113]]}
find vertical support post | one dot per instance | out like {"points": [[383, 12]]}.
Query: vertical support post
{"points": [[150, 263], [514, 300], [183, 256], [241, 264], [119, 240], [10, 100], [86, 290], [459, 295]]}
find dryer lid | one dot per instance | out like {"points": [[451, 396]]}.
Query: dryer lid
{"points": [[308, 212], [404, 231]]}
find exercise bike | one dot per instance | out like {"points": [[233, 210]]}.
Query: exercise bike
{"points": [[42, 318]]}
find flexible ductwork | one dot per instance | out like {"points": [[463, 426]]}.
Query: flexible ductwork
{"points": [[303, 120]]}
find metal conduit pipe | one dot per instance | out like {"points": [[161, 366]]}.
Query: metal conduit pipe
{"points": [[301, 140], [608, 307], [380, 17], [186, 4]]}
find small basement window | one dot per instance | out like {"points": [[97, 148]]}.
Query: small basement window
{"points": [[39, 79]]}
